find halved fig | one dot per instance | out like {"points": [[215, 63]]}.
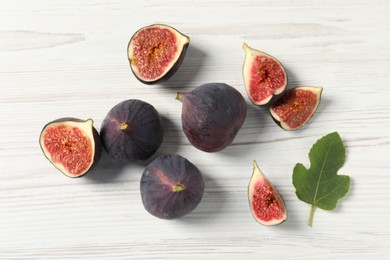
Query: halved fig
{"points": [[72, 145], [265, 202], [155, 52], [295, 107], [264, 76]]}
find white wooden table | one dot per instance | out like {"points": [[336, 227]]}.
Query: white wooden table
{"points": [[68, 58]]}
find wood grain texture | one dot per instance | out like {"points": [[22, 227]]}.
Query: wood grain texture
{"points": [[68, 58]]}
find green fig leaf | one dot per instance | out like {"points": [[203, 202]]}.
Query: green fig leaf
{"points": [[320, 185]]}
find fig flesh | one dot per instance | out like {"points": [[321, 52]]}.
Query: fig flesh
{"points": [[295, 107], [155, 52], [171, 187], [212, 114], [264, 76], [266, 204], [72, 145], [132, 130]]}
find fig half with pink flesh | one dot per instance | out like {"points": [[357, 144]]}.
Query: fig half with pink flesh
{"points": [[265, 202], [295, 107], [264, 76], [155, 52], [72, 145]]}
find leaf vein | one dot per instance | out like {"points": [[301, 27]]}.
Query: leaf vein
{"points": [[330, 192], [322, 170]]}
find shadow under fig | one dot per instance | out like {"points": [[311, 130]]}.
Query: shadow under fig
{"points": [[210, 208], [292, 78], [293, 222], [107, 169], [254, 125], [170, 143], [189, 69]]}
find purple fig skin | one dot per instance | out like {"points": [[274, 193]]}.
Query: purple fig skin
{"points": [[96, 138], [212, 115], [132, 130], [171, 187]]}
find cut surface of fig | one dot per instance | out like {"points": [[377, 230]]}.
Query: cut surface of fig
{"points": [[132, 130], [264, 76], [71, 145], [155, 52], [212, 115], [295, 107], [171, 187], [266, 204]]}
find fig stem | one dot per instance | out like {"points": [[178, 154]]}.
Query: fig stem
{"points": [[180, 96], [311, 215], [123, 126], [255, 166], [178, 187]]}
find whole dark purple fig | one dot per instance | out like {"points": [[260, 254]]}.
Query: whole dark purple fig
{"points": [[171, 187], [212, 114], [132, 130]]}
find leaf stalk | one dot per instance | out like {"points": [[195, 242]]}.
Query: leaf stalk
{"points": [[311, 215]]}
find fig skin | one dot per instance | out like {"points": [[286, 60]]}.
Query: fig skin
{"points": [[183, 42], [132, 130], [317, 91], [171, 187], [212, 115], [95, 137]]}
